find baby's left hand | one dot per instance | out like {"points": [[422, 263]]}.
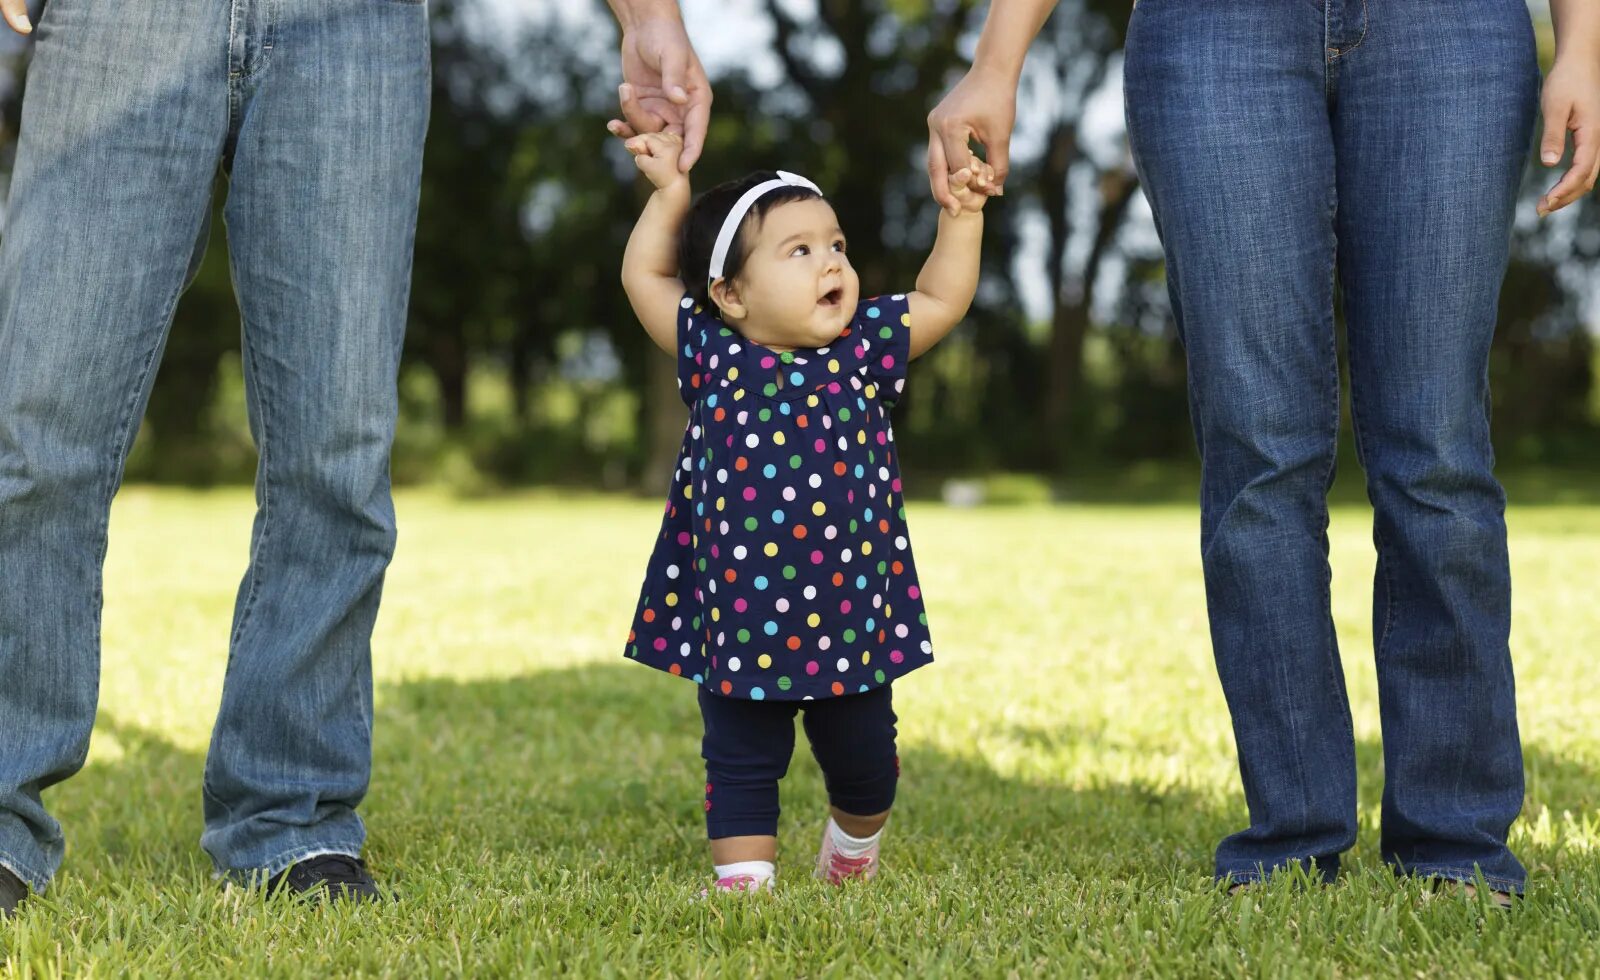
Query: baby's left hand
{"points": [[967, 186]]}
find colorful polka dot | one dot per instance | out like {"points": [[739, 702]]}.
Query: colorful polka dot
{"points": [[787, 469]]}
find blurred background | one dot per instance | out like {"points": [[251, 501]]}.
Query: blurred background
{"points": [[524, 364]]}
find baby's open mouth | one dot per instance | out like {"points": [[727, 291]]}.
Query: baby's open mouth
{"points": [[831, 297]]}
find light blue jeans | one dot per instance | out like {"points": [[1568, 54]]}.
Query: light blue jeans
{"points": [[1289, 147], [317, 110]]}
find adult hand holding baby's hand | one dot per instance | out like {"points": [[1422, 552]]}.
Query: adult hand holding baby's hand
{"points": [[656, 155], [968, 187], [981, 107], [664, 85]]}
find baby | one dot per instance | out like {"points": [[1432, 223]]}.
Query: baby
{"points": [[782, 581]]}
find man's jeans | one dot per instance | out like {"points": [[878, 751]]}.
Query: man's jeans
{"points": [[1278, 140], [317, 110]]}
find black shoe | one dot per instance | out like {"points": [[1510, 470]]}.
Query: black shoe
{"points": [[12, 892], [330, 877]]}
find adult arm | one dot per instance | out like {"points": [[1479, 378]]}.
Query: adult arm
{"points": [[664, 86], [1571, 102], [983, 105]]}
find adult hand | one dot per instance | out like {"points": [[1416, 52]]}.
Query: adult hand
{"points": [[664, 86], [982, 106], [1571, 103], [16, 14]]}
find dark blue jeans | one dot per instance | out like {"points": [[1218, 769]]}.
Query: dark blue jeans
{"points": [[1287, 146]]}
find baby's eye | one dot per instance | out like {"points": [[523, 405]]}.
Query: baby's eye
{"points": [[839, 246], [800, 250]]}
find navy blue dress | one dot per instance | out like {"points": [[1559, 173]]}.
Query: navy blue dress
{"points": [[783, 569]]}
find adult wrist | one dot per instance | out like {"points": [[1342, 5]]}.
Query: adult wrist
{"points": [[993, 68], [632, 14], [1583, 52]]}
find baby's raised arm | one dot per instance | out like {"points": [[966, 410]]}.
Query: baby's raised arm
{"points": [[949, 278], [650, 262]]}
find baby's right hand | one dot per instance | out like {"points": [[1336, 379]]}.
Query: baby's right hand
{"points": [[656, 156], [967, 187]]}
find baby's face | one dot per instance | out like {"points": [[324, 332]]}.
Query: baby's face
{"points": [[797, 286]]}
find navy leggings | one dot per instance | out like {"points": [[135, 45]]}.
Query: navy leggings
{"points": [[748, 744]]}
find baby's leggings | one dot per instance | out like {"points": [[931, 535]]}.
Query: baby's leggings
{"points": [[748, 744]]}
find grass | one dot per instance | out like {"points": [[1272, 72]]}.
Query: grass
{"points": [[1068, 769]]}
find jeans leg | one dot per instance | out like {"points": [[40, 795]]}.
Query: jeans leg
{"points": [[321, 218], [123, 122], [1433, 122], [1229, 124]]}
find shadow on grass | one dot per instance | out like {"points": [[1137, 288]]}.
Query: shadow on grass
{"points": [[596, 770], [1178, 484]]}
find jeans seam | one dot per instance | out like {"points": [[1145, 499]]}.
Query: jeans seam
{"points": [[28, 876], [119, 457], [269, 35], [284, 860], [1386, 569], [1381, 641], [1261, 871], [259, 398], [1456, 872], [208, 793], [247, 605], [1340, 53], [1330, 334]]}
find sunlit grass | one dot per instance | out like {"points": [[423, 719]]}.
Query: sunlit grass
{"points": [[1068, 768]]}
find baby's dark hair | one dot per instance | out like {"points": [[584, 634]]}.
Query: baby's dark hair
{"points": [[704, 221]]}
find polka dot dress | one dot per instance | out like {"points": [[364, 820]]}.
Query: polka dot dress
{"points": [[783, 569]]}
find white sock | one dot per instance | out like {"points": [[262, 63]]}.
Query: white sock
{"points": [[851, 847], [762, 871]]}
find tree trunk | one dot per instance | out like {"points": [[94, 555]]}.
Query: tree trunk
{"points": [[663, 417], [447, 359]]}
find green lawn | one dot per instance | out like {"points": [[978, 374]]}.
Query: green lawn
{"points": [[1068, 769]]}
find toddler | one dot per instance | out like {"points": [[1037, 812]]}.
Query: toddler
{"points": [[782, 581]]}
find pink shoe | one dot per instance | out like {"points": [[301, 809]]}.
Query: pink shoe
{"points": [[836, 869]]}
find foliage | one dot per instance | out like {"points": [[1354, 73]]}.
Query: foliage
{"points": [[1068, 361]]}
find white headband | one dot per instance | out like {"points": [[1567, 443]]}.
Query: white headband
{"points": [[730, 224]]}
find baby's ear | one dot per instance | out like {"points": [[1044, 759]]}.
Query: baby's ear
{"points": [[725, 293]]}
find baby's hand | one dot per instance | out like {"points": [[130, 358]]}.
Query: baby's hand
{"points": [[656, 156], [967, 186]]}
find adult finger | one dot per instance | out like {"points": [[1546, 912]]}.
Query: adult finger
{"points": [[696, 121], [641, 119], [16, 14], [939, 174], [956, 140], [1578, 179], [674, 64], [617, 127], [1554, 141], [999, 160]]}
